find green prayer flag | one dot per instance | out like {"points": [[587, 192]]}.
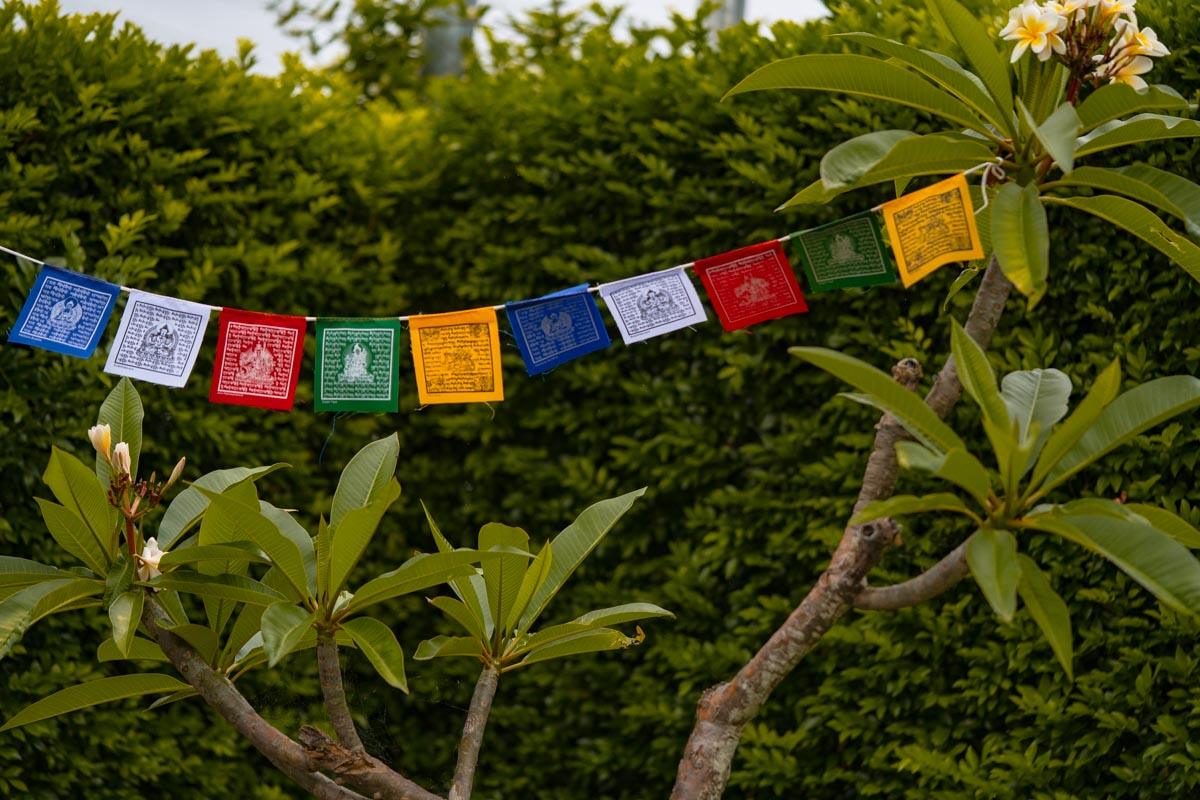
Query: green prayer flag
{"points": [[844, 254], [357, 365]]}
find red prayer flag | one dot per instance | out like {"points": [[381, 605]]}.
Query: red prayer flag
{"points": [[258, 359], [751, 285]]}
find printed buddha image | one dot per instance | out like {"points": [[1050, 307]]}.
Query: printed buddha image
{"points": [[158, 344], [556, 325], [753, 291], [66, 313], [356, 365], [842, 250], [656, 306], [256, 365]]}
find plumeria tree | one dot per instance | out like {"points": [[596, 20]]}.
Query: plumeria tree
{"points": [[232, 583], [1038, 99]]}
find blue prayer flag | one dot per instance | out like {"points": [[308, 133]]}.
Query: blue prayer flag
{"points": [[65, 312], [556, 328]]}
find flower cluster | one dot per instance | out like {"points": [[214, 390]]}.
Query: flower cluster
{"points": [[1097, 40]]}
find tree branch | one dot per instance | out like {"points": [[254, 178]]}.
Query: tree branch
{"points": [[329, 671], [295, 761], [472, 735], [926, 586], [725, 709]]}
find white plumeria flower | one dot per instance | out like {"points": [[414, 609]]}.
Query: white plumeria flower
{"points": [[120, 458], [101, 438], [1069, 8], [1141, 43], [150, 558], [1129, 71], [1118, 8], [1035, 28]]}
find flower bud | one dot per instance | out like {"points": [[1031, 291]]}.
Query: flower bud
{"points": [[175, 474], [120, 458], [101, 437]]}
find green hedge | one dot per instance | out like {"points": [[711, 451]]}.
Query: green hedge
{"points": [[581, 155]]}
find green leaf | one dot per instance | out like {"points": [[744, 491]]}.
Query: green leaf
{"points": [[1168, 522], [379, 645], [352, 534], [931, 154], [1057, 134], [119, 579], [945, 72], [844, 164], [367, 476], [572, 546], [234, 551], [247, 624], [911, 504], [889, 395], [247, 522], [627, 612], [503, 575], [282, 626], [1048, 611], [287, 525], [16, 571], [963, 280], [448, 646], [201, 638], [173, 697], [978, 46], [862, 76], [1036, 397], [189, 505], [19, 611], [1152, 558], [535, 577], [323, 545], [76, 487], [457, 610], [1118, 100], [1065, 436], [93, 693], [235, 588], [1135, 411], [976, 375], [139, 650], [1163, 190], [419, 572], [992, 557], [122, 412], [592, 641], [1021, 238], [125, 614], [73, 535], [957, 466], [1139, 129]]}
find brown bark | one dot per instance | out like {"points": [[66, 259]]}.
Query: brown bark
{"points": [[473, 730], [725, 709], [292, 759], [926, 586], [329, 672]]}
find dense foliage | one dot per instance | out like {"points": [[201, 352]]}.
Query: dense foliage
{"points": [[582, 155]]}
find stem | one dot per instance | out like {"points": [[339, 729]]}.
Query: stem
{"points": [[329, 671], [472, 735], [926, 586], [725, 709]]}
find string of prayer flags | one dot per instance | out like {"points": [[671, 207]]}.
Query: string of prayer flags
{"points": [[844, 254], [158, 339], [751, 285], [556, 328], [258, 359], [653, 304], [931, 228], [357, 367], [457, 356], [66, 312]]}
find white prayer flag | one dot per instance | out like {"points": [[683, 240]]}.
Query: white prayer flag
{"points": [[158, 339], [653, 304]]}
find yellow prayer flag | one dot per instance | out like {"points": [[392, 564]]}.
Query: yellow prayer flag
{"points": [[457, 356], [931, 228]]}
